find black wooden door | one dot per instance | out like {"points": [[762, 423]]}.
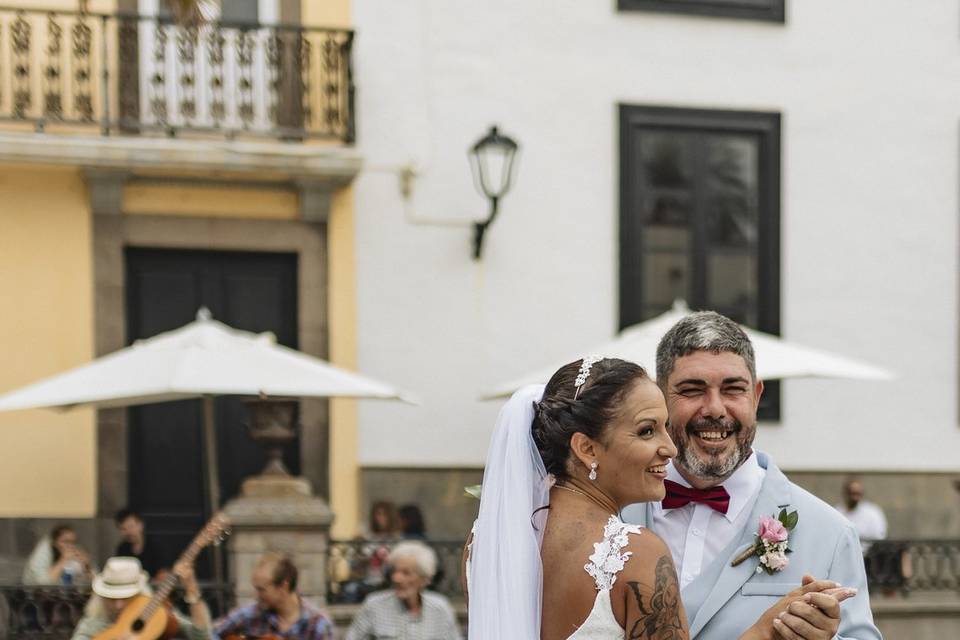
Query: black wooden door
{"points": [[164, 289]]}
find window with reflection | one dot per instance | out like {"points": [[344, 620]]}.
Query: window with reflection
{"points": [[700, 216]]}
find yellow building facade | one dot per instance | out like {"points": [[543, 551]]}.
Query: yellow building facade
{"points": [[74, 197]]}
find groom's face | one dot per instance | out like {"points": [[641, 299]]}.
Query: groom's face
{"points": [[712, 402]]}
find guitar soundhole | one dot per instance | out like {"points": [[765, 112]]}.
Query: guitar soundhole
{"points": [[137, 625]]}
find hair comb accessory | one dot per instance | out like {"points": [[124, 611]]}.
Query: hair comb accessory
{"points": [[584, 373]]}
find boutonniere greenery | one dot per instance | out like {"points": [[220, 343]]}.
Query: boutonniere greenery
{"points": [[771, 544]]}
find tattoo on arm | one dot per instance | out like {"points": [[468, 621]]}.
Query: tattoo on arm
{"points": [[659, 615]]}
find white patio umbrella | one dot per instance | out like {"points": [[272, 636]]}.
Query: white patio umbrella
{"points": [[202, 359], [776, 358]]}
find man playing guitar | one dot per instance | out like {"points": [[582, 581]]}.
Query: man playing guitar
{"points": [[122, 580], [279, 612]]}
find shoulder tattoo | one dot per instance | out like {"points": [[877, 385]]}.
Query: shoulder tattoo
{"points": [[659, 617]]}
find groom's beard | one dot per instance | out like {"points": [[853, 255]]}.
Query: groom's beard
{"points": [[706, 464]]}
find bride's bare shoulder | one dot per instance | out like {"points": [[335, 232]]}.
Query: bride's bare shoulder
{"points": [[646, 550], [650, 590]]}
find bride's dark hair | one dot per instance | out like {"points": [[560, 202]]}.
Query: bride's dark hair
{"points": [[559, 416]]}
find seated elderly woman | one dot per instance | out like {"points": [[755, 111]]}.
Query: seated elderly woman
{"points": [[407, 610]]}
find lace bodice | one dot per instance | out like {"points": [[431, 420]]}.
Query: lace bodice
{"points": [[607, 560], [603, 565]]}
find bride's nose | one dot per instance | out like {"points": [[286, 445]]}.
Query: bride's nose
{"points": [[668, 449]]}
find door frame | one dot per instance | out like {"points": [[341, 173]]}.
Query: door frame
{"points": [[113, 231]]}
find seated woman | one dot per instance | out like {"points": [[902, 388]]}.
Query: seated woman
{"points": [[384, 525], [384, 529], [58, 560], [122, 580], [408, 610]]}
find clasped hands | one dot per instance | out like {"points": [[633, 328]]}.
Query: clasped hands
{"points": [[809, 612]]}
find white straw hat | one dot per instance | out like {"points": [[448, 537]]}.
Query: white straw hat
{"points": [[122, 577]]}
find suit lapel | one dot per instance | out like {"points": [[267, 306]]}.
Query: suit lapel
{"points": [[647, 514], [638, 513], [774, 495]]}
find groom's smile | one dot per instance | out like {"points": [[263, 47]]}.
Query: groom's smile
{"points": [[712, 402]]}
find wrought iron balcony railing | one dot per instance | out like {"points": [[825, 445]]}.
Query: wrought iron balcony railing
{"points": [[134, 74], [907, 566], [52, 612]]}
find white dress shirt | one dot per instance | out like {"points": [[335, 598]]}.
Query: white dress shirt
{"points": [[695, 532], [869, 521]]}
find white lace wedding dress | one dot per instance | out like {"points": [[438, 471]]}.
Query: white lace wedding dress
{"points": [[603, 565], [606, 562]]}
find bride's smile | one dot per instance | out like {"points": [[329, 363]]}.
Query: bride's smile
{"points": [[635, 448]]}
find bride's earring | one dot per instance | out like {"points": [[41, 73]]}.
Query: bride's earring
{"points": [[593, 470]]}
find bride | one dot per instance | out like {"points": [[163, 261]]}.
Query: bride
{"points": [[591, 442]]}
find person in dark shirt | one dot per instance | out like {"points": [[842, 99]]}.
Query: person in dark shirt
{"points": [[137, 544], [412, 525]]}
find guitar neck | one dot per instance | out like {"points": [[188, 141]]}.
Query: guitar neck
{"points": [[167, 585]]}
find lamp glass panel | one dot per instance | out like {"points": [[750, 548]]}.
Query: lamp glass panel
{"points": [[494, 161]]}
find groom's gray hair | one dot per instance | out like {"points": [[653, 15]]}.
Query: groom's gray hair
{"points": [[702, 331]]}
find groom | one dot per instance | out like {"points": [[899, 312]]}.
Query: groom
{"points": [[718, 488]]}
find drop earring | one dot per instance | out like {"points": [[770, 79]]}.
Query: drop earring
{"points": [[593, 470]]}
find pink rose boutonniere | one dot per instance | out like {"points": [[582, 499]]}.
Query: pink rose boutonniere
{"points": [[771, 543]]}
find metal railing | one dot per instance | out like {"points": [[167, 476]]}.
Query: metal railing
{"points": [[137, 74], [913, 565], [40, 612], [52, 612], [356, 568]]}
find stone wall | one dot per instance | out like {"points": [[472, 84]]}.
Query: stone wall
{"points": [[917, 505], [448, 513], [919, 617]]}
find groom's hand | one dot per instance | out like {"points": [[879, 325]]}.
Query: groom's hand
{"points": [[815, 616], [766, 628]]}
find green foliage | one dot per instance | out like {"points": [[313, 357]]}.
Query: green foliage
{"points": [[788, 520]]}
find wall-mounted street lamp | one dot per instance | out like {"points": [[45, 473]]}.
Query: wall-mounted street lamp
{"points": [[491, 160]]}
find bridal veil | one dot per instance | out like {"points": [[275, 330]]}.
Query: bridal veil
{"points": [[505, 572]]}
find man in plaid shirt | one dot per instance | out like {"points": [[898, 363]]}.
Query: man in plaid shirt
{"points": [[278, 611]]}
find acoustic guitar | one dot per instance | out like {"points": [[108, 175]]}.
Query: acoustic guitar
{"points": [[149, 617]]}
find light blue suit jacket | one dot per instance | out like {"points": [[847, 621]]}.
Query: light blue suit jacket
{"points": [[723, 601]]}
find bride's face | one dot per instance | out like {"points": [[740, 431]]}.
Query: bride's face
{"points": [[636, 447]]}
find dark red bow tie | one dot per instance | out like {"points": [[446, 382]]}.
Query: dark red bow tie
{"points": [[678, 495]]}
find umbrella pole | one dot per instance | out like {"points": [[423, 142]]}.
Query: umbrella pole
{"points": [[213, 485]]}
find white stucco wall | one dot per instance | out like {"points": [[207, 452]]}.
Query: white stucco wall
{"points": [[869, 95]]}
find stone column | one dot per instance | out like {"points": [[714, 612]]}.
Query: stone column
{"points": [[279, 513]]}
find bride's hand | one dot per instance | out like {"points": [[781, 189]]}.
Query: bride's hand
{"points": [[816, 617], [763, 629]]}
